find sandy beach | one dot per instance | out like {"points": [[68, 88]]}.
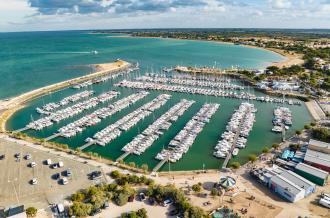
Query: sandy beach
{"points": [[10, 106]]}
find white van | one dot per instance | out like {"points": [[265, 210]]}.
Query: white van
{"points": [[324, 202]]}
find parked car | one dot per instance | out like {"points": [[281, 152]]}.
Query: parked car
{"points": [[68, 172], [54, 166], [56, 176], [60, 164], [95, 175], [2, 157], [324, 202], [142, 196], [48, 162], [34, 181], [105, 205], [27, 156], [33, 164], [64, 181], [167, 202], [17, 155]]}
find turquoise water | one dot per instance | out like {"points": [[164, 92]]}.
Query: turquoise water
{"points": [[44, 58], [36, 59]]}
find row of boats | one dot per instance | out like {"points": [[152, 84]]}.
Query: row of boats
{"points": [[282, 119], [189, 82], [71, 111], [186, 137], [47, 108], [92, 119], [201, 91], [237, 131], [144, 140], [114, 130], [105, 78]]}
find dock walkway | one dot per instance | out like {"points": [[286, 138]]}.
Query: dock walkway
{"points": [[123, 156], [160, 164], [52, 137], [86, 145], [21, 130], [225, 163]]}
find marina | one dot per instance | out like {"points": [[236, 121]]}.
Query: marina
{"points": [[144, 140], [203, 89], [113, 131], [282, 119], [200, 91], [237, 131], [71, 129], [71, 111], [186, 137]]}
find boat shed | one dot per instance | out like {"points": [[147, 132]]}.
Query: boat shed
{"points": [[300, 181], [318, 159], [286, 188], [311, 173], [319, 146]]}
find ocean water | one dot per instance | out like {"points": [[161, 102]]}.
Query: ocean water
{"points": [[34, 59], [38, 59]]}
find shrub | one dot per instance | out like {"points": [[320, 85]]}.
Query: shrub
{"points": [[131, 164], [235, 165], [275, 146], [265, 150], [307, 126], [115, 174], [80, 209], [197, 188], [252, 158], [144, 167], [31, 212], [79, 196], [322, 134], [298, 132]]}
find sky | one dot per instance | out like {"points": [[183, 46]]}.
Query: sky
{"points": [[41, 15]]}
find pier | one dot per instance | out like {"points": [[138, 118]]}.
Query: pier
{"points": [[52, 137], [237, 134], [21, 130], [123, 156], [86, 145], [160, 164]]}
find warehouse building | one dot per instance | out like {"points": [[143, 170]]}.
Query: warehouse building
{"points": [[318, 159], [319, 146], [311, 173], [286, 183], [286, 188]]}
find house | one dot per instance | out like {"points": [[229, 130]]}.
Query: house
{"points": [[311, 173]]}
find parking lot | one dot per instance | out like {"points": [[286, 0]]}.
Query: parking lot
{"points": [[16, 174]]}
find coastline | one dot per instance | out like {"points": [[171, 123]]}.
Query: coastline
{"points": [[290, 59], [10, 106]]}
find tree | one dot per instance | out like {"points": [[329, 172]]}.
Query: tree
{"points": [[79, 196], [298, 132], [197, 188], [235, 165], [115, 174], [252, 157], [142, 213], [307, 126], [265, 150], [80, 209], [31, 212], [322, 134]]}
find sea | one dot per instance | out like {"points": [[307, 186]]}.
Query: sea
{"points": [[32, 60]]}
